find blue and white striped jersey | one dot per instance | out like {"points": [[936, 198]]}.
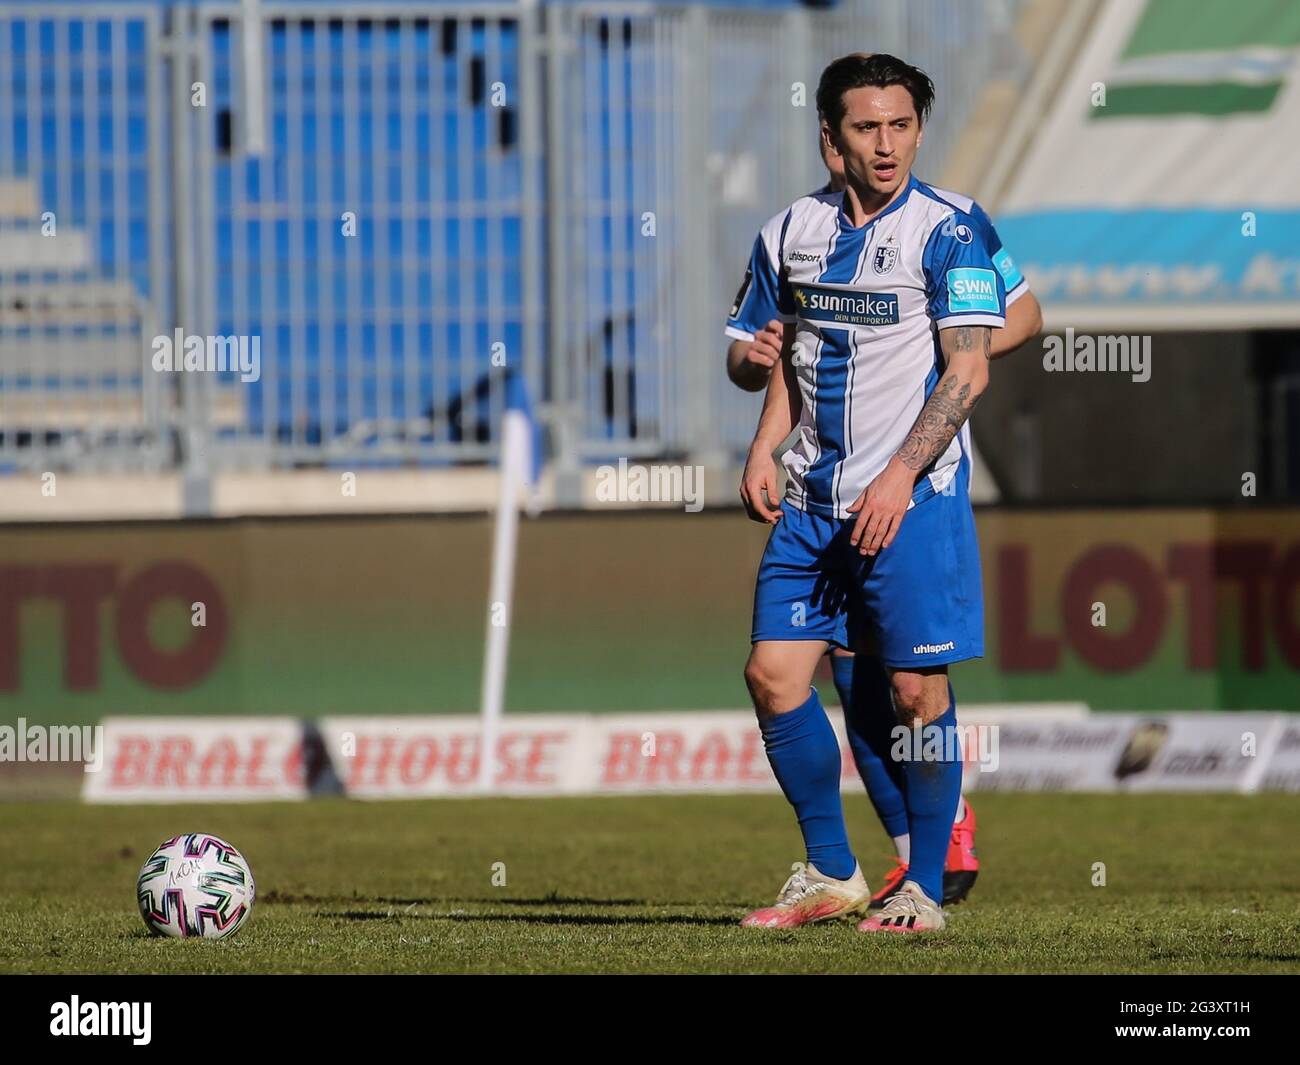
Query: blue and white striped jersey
{"points": [[755, 304], [869, 303]]}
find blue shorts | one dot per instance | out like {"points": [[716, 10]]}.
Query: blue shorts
{"points": [[921, 598]]}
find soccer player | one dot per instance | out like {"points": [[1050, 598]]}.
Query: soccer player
{"points": [[756, 338], [893, 295]]}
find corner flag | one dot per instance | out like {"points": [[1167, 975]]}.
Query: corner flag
{"points": [[520, 467]]}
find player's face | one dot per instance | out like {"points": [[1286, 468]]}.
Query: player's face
{"points": [[878, 137]]}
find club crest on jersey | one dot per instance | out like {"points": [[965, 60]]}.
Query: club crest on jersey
{"points": [[884, 259], [845, 306]]}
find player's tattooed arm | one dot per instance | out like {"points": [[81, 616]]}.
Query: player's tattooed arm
{"points": [[966, 349], [883, 504]]}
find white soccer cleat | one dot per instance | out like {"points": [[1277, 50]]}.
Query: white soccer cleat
{"points": [[907, 910], [809, 895]]}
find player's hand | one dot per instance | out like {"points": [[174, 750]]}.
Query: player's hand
{"points": [[881, 507], [758, 489], [765, 349]]}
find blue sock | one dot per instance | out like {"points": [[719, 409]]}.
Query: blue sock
{"points": [[863, 685], [842, 671], [805, 756], [932, 788]]}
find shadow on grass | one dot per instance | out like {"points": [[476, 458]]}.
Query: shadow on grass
{"points": [[540, 918], [286, 899]]}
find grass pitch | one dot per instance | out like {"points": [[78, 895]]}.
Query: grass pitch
{"points": [[1194, 884]]}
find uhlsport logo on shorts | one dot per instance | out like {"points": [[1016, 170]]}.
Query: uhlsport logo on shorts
{"points": [[972, 289], [933, 648], [846, 307]]}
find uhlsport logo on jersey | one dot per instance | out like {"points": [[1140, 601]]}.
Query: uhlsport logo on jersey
{"points": [[972, 289], [841, 307]]}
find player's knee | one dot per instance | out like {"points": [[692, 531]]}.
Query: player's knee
{"points": [[760, 681], [769, 689], [914, 699]]}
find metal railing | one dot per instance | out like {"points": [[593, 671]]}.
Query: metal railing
{"points": [[84, 198], [402, 202]]}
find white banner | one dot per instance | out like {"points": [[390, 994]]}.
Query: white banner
{"points": [[200, 759], [1006, 748], [425, 757], [1282, 770], [1061, 755], [1199, 752]]}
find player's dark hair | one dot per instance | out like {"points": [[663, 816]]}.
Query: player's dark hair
{"points": [[879, 71]]}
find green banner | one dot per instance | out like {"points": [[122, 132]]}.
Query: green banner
{"points": [[1146, 609]]}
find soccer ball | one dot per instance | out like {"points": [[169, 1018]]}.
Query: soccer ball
{"points": [[195, 885]]}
